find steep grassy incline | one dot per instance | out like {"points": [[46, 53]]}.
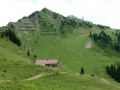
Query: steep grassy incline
{"points": [[14, 65], [74, 54]]}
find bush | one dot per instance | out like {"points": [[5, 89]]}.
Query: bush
{"points": [[82, 71], [4, 70], [28, 53]]}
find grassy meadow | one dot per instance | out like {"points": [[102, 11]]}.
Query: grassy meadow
{"points": [[14, 63]]}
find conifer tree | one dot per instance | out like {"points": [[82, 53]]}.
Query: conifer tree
{"points": [[28, 53], [90, 34], [82, 71]]}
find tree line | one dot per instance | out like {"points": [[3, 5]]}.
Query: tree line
{"points": [[116, 45], [114, 71], [103, 27], [104, 40], [10, 35]]}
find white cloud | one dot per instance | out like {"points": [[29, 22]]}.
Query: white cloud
{"points": [[98, 11], [12, 10]]}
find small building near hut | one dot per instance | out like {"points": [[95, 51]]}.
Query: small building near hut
{"points": [[49, 63]]}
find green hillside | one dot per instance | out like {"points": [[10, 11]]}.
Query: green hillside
{"points": [[49, 35], [14, 63]]}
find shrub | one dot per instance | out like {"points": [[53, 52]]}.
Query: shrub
{"points": [[82, 71], [4, 70]]}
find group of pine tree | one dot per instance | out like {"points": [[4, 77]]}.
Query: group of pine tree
{"points": [[114, 72], [10, 35], [104, 40]]}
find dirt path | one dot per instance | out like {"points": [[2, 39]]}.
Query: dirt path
{"points": [[38, 76], [107, 82], [88, 45], [31, 78], [4, 81], [34, 77], [79, 36], [104, 80], [69, 38]]}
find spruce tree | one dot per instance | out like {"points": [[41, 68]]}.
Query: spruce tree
{"points": [[82, 71], [90, 34], [28, 53], [2, 35]]}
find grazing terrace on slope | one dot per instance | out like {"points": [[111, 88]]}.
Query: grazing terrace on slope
{"points": [[49, 63]]}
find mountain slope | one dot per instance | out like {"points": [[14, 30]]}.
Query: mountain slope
{"points": [[74, 55], [50, 35], [14, 63], [49, 25]]}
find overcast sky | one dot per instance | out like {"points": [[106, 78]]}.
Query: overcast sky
{"points": [[106, 12]]}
